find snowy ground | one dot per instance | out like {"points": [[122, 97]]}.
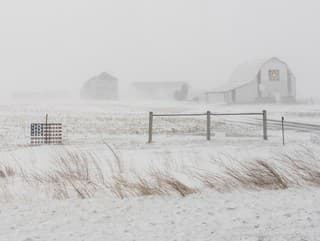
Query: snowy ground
{"points": [[266, 215], [31, 211]]}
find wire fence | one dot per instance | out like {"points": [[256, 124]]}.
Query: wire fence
{"points": [[208, 115]]}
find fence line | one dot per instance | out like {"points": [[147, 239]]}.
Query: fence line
{"points": [[170, 115], [217, 114], [208, 115]]}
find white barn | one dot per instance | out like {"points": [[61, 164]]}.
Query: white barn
{"points": [[269, 80], [101, 87]]}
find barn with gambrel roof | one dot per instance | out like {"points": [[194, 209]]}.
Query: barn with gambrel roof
{"points": [[268, 80]]}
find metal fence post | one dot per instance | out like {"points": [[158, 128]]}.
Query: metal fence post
{"points": [[282, 125], [264, 118], [150, 126], [208, 125]]}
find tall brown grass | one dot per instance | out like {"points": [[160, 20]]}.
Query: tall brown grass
{"points": [[79, 174], [6, 171]]}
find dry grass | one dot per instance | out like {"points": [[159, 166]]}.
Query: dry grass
{"points": [[6, 171], [301, 168], [257, 174], [80, 175], [122, 188], [72, 175], [156, 184]]}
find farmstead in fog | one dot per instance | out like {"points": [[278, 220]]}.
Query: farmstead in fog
{"points": [[269, 80], [101, 87]]}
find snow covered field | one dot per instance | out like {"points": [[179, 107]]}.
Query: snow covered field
{"points": [[106, 157], [266, 215]]}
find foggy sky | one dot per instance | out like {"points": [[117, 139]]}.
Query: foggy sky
{"points": [[60, 44]]}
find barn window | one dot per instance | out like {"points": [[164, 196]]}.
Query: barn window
{"points": [[274, 74]]}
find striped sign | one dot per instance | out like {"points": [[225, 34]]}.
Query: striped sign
{"points": [[46, 133]]}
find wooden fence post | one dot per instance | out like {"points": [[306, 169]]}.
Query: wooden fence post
{"points": [[265, 129], [150, 126], [208, 126]]}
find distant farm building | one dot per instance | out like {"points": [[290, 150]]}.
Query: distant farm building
{"points": [[101, 87], [162, 90], [269, 80]]}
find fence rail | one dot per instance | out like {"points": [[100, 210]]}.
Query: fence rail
{"points": [[171, 115], [208, 115]]}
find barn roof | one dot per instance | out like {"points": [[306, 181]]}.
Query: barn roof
{"points": [[104, 76], [244, 74]]}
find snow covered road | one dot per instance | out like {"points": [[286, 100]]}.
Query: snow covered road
{"points": [[292, 214]]}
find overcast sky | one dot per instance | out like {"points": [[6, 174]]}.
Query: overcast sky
{"points": [[60, 44]]}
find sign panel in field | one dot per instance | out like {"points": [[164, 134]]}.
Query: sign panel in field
{"points": [[46, 133]]}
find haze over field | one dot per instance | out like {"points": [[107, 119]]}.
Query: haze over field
{"points": [[60, 44], [217, 138]]}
